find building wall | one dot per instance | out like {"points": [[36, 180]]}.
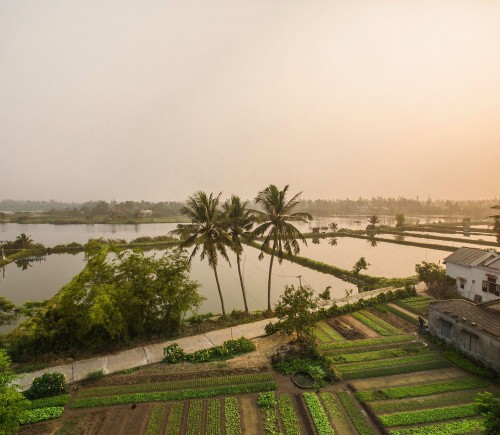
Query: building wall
{"points": [[485, 350], [473, 286]]}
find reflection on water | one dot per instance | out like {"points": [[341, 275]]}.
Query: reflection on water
{"points": [[44, 279], [386, 259], [51, 235]]}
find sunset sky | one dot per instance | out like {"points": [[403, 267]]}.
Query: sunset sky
{"points": [[157, 99]]}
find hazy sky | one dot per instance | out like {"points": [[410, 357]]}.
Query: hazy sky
{"points": [[157, 99]]}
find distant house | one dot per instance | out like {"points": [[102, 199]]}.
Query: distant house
{"points": [[146, 212], [472, 328], [477, 273]]}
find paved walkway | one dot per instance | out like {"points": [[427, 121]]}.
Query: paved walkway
{"points": [[144, 355]]}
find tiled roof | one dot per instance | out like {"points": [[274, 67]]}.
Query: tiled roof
{"points": [[486, 320], [467, 256]]}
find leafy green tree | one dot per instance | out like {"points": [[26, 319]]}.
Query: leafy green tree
{"points": [[280, 235], [206, 232], [296, 312], [119, 296], [12, 402], [439, 285], [239, 221], [400, 220], [23, 241], [489, 406]]}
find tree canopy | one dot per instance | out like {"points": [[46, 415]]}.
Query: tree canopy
{"points": [[12, 402], [119, 296]]}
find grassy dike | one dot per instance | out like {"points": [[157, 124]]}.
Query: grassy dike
{"points": [[367, 282], [360, 235]]}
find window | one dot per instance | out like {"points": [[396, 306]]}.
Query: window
{"points": [[445, 328], [469, 341]]}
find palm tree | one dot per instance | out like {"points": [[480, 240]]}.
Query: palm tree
{"points": [[23, 241], [280, 235], [373, 220], [206, 232], [333, 226], [239, 221]]}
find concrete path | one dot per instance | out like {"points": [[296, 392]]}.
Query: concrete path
{"points": [[141, 356]]}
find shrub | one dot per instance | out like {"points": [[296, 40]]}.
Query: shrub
{"points": [[95, 375], [47, 385], [174, 354]]}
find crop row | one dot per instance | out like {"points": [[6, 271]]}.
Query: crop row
{"points": [[40, 414], [395, 370], [173, 395], [371, 324], [354, 413], [267, 403], [213, 426], [376, 319], [399, 313], [392, 352], [428, 415], [175, 419], [175, 385], [331, 406], [462, 427], [366, 342], [48, 402], [318, 414], [155, 419], [384, 406], [331, 333], [232, 416], [421, 390], [363, 365], [288, 415], [193, 425]]}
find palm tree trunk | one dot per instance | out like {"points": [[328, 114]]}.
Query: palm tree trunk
{"points": [[220, 292], [269, 283], [241, 282]]}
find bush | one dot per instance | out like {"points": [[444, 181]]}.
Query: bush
{"points": [[174, 354], [47, 385], [95, 375]]}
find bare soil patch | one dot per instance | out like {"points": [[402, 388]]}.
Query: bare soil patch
{"points": [[351, 328], [252, 424]]}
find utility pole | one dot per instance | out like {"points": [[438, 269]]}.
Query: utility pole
{"points": [[300, 281]]}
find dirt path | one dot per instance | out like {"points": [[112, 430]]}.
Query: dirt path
{"points": [[252, 424]]}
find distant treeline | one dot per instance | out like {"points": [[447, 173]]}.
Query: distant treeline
{"points": [[390, 206], [318, 207]]}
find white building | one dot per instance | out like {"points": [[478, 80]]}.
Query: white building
{"points": [[477, 273]]}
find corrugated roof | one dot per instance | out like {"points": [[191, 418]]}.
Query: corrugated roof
{"points": [[486, 320], [466, 256]]}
